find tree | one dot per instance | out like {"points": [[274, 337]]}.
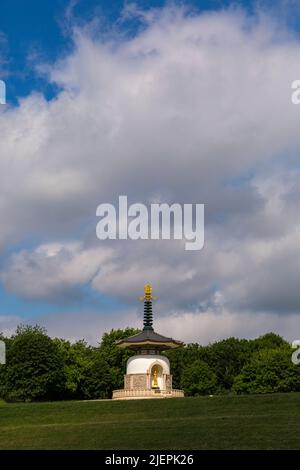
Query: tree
{"points": [[226, 358], [41, 368], [115, 357], [100, 378], [268, 341], [198, 379], [177, 358], [78, 358], [34, 367], [269, 371], [106, 372]]}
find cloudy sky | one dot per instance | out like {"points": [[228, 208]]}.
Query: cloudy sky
{"points": [[186, 103]]}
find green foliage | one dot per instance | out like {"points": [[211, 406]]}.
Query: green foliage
{"points": [[34, 368], [198, 379], [115, 358], [268, 341], [41, 368], [269, 371], [177, 358], [227, 357], [100, 379], [78, 359]]}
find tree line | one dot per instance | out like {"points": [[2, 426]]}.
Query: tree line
{"points": [[42, 368]]}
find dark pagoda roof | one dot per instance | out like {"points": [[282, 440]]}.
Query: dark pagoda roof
{"points": [[148, 337]]}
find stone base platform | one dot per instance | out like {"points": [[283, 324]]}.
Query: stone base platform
{"points": [[127, 394]]}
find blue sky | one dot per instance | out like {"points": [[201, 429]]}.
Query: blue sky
{"points": [[65, 151], [35, 30]]}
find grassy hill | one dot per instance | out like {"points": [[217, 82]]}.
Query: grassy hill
{"points": [[219, 422]]}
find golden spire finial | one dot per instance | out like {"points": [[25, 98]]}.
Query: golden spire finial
{"points": [[148, 290], [148, 293]]}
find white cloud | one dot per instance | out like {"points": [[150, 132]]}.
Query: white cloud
{"points": [[194, 108], [184, 105], [189, 327], [52, 271]]}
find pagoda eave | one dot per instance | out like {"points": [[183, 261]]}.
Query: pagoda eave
{"points": [[146, 344]]}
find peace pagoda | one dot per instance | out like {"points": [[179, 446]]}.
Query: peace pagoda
{"points": [[148, 371]]}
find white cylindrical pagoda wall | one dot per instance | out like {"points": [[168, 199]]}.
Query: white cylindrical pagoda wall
{"points": [[143, 363]]}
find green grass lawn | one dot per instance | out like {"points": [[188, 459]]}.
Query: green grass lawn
{"points": [[219, 422]]}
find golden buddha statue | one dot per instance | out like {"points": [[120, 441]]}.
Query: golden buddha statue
{"points": [[154, 378]]}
